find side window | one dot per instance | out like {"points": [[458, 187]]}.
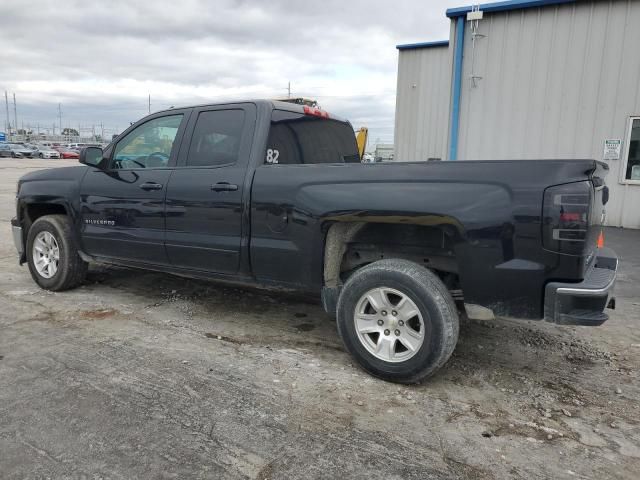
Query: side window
{"points": [[633, 158], [295, 138], [216, 138], [148, 145]]}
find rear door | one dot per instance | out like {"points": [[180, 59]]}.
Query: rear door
{"points": [[205, 204], [122, 205], [303, 149]]}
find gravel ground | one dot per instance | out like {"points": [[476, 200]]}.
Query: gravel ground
{"points": [[145, 375]]}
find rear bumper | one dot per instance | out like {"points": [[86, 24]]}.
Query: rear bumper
{"points": [[584, 303]]}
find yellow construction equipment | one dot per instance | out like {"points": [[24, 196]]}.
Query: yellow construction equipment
{"points": [[361, 140]]}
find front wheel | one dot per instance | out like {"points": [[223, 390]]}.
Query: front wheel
{"points": [[52, 254], [398, 320]]}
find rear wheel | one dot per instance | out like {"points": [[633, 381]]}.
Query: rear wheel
{"points": [[398, 320], [52, 254]]}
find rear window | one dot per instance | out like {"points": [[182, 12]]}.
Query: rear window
{"points": [[295, 138]]}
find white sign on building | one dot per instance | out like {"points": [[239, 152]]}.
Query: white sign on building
{"points": [[612, 149]]}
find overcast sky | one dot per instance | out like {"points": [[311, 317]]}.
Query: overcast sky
{"points": [[101, 59]]}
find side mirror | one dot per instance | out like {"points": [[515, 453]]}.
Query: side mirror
{"points": [[91, 156]]}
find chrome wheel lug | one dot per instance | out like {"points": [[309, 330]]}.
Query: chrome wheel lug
{"points": [[401, 323], [384, 313], [397, 332], [387, 332], [394, 313], [380, 322]]}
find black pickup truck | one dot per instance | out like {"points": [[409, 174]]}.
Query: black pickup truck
{"points": [[274, 195]]}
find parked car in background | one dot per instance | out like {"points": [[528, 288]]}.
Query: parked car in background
{"points": [[78, 146], [47, 152], [22, 149], [7, 151], [68, 153], [16, 151]]}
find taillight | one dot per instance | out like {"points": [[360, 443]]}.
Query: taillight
{"points": [[316, 112], [565, 217]]}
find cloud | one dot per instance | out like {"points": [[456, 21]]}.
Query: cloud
{"points": [[102, 59]]}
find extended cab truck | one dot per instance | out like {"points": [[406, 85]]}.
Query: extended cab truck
{"points": [[273, 194]]}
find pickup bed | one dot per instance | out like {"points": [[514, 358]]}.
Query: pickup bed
{"points": [[274, 195]]}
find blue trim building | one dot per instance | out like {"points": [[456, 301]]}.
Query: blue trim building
{"points": [[413, 46], [505, 6], [529, 79]]}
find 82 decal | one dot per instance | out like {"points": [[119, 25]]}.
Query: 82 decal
{"points": [[272, 155]]}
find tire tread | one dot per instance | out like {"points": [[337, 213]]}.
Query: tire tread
{"points": [[75, 271], [440, 295]]}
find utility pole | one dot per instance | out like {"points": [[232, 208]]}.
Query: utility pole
{"points": [[15, 113], [149, 103], [101, 132], [60, 116], [289, 90], [6, 103]]}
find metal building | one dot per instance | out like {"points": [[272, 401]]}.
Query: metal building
{"points": [[526, 79]]}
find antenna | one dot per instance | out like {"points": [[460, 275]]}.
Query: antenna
{"points": [[474, 17]]}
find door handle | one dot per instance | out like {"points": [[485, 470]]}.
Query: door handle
{"points": [[224, 187], [151, 186]]}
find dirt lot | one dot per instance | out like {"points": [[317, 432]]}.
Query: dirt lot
{"points": [[143, 375]]}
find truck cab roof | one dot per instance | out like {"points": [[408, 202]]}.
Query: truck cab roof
{"points": [[265, 103]]}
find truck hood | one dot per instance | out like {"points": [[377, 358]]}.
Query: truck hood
{"points": [[60, 173]]}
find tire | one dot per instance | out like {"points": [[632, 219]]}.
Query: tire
{"points": [[41, 156], [436, 316], [71, 269]]}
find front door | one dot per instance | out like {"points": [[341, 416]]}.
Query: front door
{"points": [[122, 205], [205, 202]]}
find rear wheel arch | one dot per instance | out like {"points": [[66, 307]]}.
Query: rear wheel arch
{"points": [[350, 246]]}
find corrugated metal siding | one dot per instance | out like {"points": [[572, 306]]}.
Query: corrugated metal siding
{"points": [[422, 111], [557, 81]]}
